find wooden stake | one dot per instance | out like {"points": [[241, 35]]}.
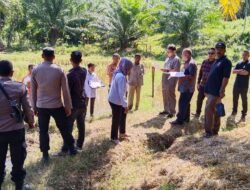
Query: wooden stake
{"points": [[153, 82]]}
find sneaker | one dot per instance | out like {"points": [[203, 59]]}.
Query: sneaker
{"points": [[176, 122], [163, 113], [116, 142], [79, 149], [73, 152], [207, 136]]}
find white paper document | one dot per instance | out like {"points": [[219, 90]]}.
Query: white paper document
{"points": [[96, 84], [176, 75]]}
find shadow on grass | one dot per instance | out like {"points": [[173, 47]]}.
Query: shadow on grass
{"points": [[160, 142], [156, 122], [227, 159], [83, 171]]}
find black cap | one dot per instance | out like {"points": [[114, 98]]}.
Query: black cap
{"points": [[48, 51], [220, 45]]}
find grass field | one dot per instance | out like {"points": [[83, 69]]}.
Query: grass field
{"points": [[157, 155]]}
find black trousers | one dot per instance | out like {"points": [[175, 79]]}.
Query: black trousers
{"points": [[16, 141], [77, 115], [237, 92], [200, 99], [184, 107], [92, 105], [62, 123], [118, 121]]}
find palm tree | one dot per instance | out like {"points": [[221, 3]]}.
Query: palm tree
{"points": [[124, 22]]}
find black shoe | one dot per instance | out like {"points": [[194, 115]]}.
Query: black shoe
{"points": [[243, 119], [45, 158], [170, 115], [234, 114], [196, 115], [61, 154], [164, 113], [176, 122], [207, 136], [19, 186], [73, 152]]}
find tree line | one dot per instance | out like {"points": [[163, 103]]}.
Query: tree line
{"points": [[115, 24]]}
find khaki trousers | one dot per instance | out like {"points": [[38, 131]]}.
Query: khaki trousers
{"points": [[212, 119], [132, 91], [168, 93]]}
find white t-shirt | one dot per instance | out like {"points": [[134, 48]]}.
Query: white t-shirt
{"points": [[90, 92]]}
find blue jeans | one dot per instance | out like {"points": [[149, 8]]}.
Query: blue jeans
{"points": [[184, 107]]}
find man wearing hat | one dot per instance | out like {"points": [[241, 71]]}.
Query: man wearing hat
{"points": [[49, 86], [215, 89], [135, 81]]}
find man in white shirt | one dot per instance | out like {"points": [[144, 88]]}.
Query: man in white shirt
{"points": [[89, 91]]}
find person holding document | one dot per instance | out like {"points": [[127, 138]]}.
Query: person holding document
{"points": [[89, 89], [186, 87], [172, 64]]}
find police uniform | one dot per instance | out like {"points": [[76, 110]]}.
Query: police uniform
{"points": [[12, 134]]}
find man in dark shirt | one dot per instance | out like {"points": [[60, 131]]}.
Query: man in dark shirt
{"points": [[202, 79], [242, 70], [215, 89], [186, 87], [76, 80]]}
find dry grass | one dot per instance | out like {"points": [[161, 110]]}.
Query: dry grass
{"points": [[157, 156]]}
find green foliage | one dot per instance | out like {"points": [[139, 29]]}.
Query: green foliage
{"points": [[125, 21], [183, 20]]}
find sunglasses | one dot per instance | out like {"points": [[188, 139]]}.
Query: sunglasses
{"points": [[211, 53]]}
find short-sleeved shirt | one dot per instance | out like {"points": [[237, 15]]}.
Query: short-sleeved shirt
{"points": [[136, 75], [188, 85], [171, 63], [242, 81], [220, 69], [90, 92]]}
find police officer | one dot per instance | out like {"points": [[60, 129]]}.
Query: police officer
{"points": [[13, 96]]}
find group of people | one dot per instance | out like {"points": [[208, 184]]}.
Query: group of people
{"points": [[48, 92], [212, 81]]}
